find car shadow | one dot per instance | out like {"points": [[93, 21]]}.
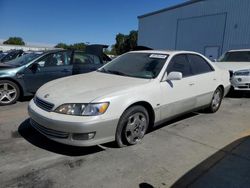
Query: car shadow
{"points": [[228, 167], [37, 139], [238, 94], [25, 99], [145, 185], [161, 125], [173, 121]]}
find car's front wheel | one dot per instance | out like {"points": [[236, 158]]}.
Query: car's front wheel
{"points": [[216, 101], [9, 92], [132, 126]]}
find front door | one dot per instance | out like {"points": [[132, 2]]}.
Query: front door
{"points": [[49, 67], [178, 96]]}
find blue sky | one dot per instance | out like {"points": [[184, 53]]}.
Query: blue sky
{"points": [[71, 21]]}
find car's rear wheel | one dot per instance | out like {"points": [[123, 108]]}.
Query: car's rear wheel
{"points": [[132, 126], [9, 92], [216, 101]]}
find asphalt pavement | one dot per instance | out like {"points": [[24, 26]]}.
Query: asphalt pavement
{"points": [[196, 150]]}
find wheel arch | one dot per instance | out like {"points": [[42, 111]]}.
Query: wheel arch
{"points": [[223, 88], [149, 109]]}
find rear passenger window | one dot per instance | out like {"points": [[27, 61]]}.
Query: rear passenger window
{"points": [[179, 63], [83, 58], [198, 64]]}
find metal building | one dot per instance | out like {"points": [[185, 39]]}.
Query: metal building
{"points": [[210, 27]]}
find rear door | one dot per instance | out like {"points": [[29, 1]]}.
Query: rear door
{"points": [[83, 63], [178, 96], [50, 67], [205, 79]]}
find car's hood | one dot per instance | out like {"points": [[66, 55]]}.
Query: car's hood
{"points": [[6, 66], [234, 66], [84, 88]]}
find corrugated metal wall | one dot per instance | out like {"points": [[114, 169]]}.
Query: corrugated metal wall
{"points": [[168, 29]]}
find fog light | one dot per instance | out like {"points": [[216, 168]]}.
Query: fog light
{"points": [[83, 136]]}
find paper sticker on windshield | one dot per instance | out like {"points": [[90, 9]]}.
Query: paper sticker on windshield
{"points": [[158, 56]]}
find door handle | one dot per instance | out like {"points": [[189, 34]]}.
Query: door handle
{"points": [[214, 79], [191, 84], [65, 70]]}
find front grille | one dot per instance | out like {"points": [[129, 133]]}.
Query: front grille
{"points": [[242, 73], [246, 86], [43, 104], [49, 132]]}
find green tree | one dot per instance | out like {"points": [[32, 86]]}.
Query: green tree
{"points": [[133, 36], [15, 41], [125, 43], [119, 45], [112, 51], [76, 46], [107, 51], [62, 45]]}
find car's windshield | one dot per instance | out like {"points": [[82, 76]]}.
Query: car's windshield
{"points": [[237, 56], [23, 59], [140, 65]]}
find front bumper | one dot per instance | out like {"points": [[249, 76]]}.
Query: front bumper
{"points": [[62, 128], [241, 82]]}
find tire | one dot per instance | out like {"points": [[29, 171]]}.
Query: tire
{"points": [[132, 126], [216, 101], [9, 92]]}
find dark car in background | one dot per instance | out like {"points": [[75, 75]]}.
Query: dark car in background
{"points": [[24, 75], [10, 55]]}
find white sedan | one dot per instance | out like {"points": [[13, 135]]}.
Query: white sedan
{"points": [[238, 63], [126, 97]]}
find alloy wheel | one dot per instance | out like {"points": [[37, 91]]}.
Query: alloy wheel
{"points": [[216, 99], [8, 93], [136, 128]]}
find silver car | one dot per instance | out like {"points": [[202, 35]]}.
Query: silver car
{"points": [[126, 97]]}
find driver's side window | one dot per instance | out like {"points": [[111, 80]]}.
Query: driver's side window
{"points": [[55, 59], [179, 63]]}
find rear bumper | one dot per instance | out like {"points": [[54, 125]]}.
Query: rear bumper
{"points": [[64, 128], [226, 90]]}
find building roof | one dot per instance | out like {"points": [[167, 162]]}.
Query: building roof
{"points": [[170, 8], [26, 46]]}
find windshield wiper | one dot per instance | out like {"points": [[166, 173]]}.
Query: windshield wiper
{"points": [[116, 72], [113, 72], [102, 70]]}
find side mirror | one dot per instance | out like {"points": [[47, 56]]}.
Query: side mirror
{"points": [[34, 67], [172, 76]]}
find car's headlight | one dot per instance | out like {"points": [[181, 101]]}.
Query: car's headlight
{"points": [[242, 72], [91, 109]]}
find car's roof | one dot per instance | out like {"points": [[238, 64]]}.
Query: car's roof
{"points": [[54, 50], [239, 50], [168, 52]]}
